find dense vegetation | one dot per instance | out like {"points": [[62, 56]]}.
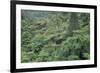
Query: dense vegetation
{"points": [[54, 36]]}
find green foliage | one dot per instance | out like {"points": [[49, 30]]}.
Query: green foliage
{"points": [[73, 57], [54, 36]]}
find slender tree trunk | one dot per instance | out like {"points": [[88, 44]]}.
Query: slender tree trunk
{"points": [[73, 23]]}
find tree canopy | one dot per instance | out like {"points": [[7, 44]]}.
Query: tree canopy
{"points": [[54, 36]]}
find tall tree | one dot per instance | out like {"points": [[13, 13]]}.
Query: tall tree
{"points": [[73, 22]]}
